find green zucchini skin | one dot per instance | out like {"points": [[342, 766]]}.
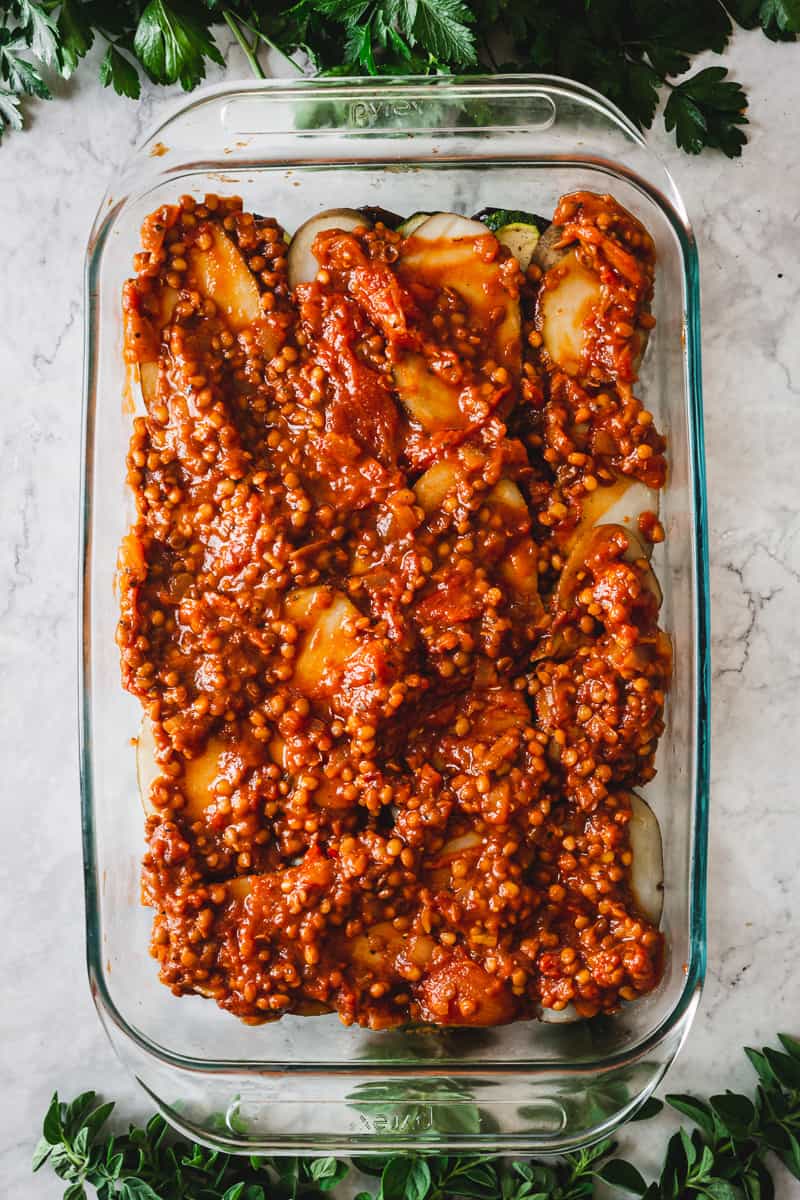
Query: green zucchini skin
{"points": [[385, 216], [496, 218]]}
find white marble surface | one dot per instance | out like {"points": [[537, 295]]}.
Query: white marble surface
{"points": [[747, 217]]}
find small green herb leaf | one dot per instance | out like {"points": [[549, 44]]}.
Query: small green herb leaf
{"points": [[173, 46], [621, 1174], [117, 70], [405, 1179]]}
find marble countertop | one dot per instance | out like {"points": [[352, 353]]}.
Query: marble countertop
{"points": [[747, 218]]}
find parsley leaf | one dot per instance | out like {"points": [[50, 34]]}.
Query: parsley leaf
{"points": [[117, 70], [779, 19], [173, 46], [626, 49], [442, 26], [76, 36], [708, 110], [20, 75], [10, 116], [40, 30]]}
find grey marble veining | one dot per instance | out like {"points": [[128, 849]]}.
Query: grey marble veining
{"points": [[747, 218]]}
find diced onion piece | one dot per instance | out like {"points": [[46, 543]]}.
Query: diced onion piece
{"points": [[458, 845], [620, 503], [506, 492], [302, 265], [325, 646], [564, 309], [647, 865], [222, 275], [520, 568], [426, 397]]}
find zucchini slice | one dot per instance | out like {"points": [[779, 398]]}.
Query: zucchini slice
{"points": [[564, 309], [374, 215], [521, 240], [222, 274], [646, 878], [412, 223], [426, 397], [496, 218], [302, 266]]}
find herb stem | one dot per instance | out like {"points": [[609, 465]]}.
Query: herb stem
{"points": [[248, 52], [263, 37]]}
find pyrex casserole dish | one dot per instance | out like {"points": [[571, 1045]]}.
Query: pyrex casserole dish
{"points": [[291, 149]]}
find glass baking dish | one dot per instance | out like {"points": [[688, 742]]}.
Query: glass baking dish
{"points": [[292, 148]]}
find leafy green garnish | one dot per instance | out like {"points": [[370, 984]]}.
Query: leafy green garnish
{"points": [[628, 50], [725, 1157], [708, 110], [172, 45]]}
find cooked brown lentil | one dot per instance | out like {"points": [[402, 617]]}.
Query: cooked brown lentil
{"points": [[395, 725]]}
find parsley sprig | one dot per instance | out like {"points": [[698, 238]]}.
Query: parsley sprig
{"points": [[728, 1155], [630, 51]]}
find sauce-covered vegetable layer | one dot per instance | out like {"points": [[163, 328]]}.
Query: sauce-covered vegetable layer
{"points": [[388, 608]]}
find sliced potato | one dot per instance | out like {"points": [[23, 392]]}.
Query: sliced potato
{"points": [[326, 645], [222, 274], [436, 483], [451, 226], [440, 479], [198, 778], [302, 265], [441, 254], [574, 568], [647, 866], [379, 948], [148, 380], [564, 309], [547, 252], [426, 397], [147, 768], [620, 503], [149, 370]]}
